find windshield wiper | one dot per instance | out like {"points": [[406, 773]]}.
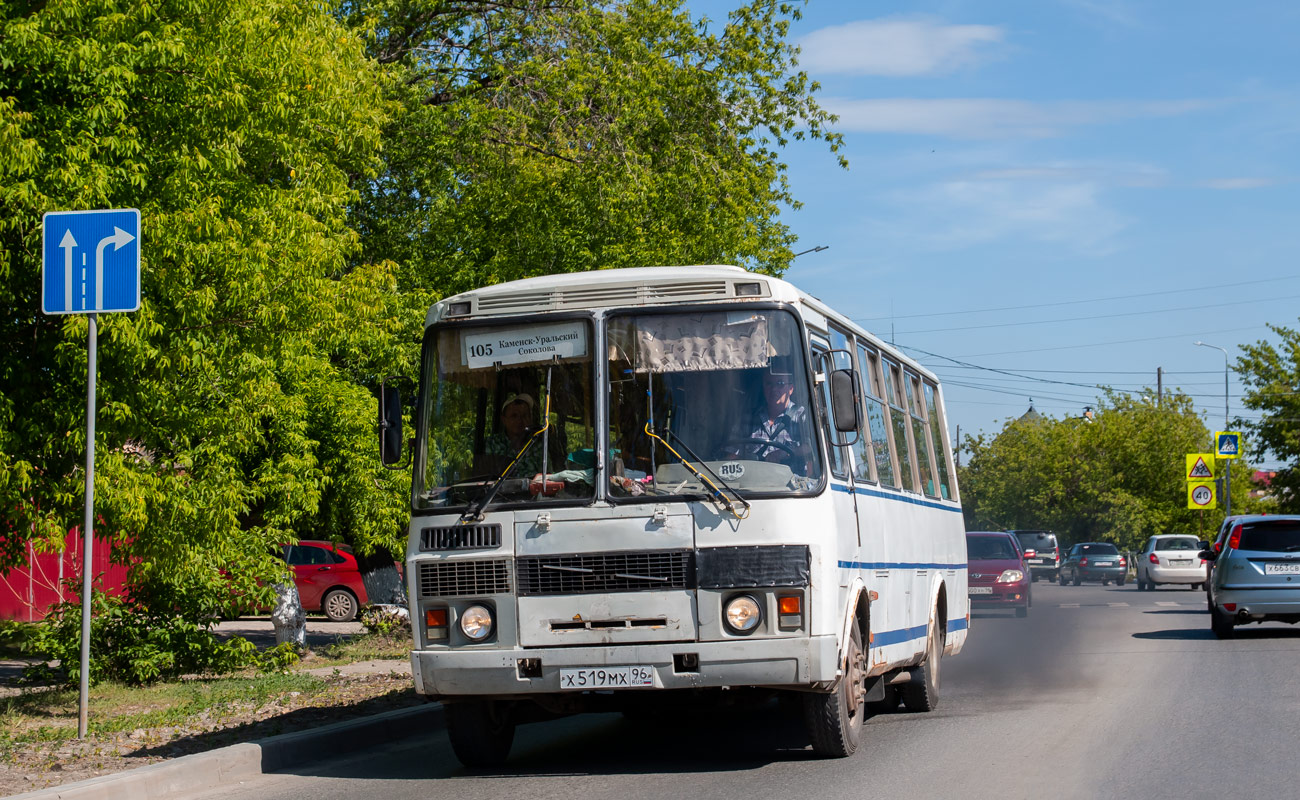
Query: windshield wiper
{"points": [[717, 494], [475, 511]]}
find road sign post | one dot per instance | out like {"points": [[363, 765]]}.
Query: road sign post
{"points": [[69, 286]]}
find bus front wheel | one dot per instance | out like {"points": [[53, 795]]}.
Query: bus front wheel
{"points": [[481, 731], [834, 721]]}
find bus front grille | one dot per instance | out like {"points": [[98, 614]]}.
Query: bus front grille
{"points": [[460, 537], [464, 578], [585, 573]]}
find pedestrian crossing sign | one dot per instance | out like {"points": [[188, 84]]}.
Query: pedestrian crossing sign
{"points": [[1200, 494], [1200, 467], [1227, 444]]}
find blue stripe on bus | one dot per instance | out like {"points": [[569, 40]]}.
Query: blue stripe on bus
{"points": [[896, 565], [901, 498], [886, 638]]}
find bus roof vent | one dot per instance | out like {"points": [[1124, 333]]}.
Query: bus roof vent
{"points": [[597, 296]]}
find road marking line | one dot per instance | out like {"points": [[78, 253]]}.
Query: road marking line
{"points": [[1165, 603], [1118, 605], [1069, 605]]}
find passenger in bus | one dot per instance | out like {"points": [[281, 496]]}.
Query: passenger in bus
{"points": [[500, 448], [779, 421]]}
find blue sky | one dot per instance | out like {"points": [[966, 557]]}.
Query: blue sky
{"points": [[1009, 159]]}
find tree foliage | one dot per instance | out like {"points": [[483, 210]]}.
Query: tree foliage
{"points": [[1271, 376], [536, 137], [1118, 478], [230, 417]]}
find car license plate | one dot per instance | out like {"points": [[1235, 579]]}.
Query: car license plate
{"points": [[607, 677], [1180, 562], [979, 590], [1282, 569], [1104, 564]]}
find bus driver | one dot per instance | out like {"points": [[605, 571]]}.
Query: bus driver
{"points": [[780, 422]]}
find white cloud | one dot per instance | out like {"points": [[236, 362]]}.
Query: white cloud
{"points": [[985, 118], [895, 46], [959, 214], [1238, 183]]}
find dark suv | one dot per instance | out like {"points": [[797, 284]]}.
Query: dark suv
{"points": [[1042, 552]]}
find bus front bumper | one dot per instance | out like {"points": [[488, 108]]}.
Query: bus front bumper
{"points": [[792, 662]]}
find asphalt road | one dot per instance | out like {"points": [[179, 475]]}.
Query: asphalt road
{"points": [[1101, 692]]}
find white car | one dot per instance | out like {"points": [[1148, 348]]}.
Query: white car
{"points": [[1171, 559]]}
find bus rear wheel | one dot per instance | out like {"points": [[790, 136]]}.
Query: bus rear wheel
{"points": [[834, 721], [921, 693], [481, 731]]}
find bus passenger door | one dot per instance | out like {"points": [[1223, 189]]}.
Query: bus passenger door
{"points": [[847, 550]]}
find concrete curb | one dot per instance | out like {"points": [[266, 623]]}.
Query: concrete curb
{"points": [[244, 761]]}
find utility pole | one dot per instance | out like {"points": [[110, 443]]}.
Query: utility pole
{"points": [[1227, 467], [1160, 386]]}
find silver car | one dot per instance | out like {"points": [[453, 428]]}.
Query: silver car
{"points": [[1257, 574], [1173, 559]]}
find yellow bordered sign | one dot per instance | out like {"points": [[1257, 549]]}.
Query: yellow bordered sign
{"points": [[1200, 494], [1227, 444], [1200, 467]]}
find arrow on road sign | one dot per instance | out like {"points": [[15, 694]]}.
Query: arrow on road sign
{"points": [[119, 238], [67, 243]]}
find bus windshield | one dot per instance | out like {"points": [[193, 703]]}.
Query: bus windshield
{"points": [[507, 415], [726, 391]]}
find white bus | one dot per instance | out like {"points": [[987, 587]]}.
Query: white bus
{"points": [[643, 485]]}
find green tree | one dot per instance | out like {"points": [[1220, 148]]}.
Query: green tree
{"points": [[1117, 478], [1270, 374], [537, 138], [230, 412]]}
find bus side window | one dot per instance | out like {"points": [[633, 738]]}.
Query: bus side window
{"points": [[862, 456], [898, 422], [920, 434], [877, 427], [938, 434]]}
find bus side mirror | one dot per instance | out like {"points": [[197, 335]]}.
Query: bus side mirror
{"points": [[844, 400], [390, 425]]}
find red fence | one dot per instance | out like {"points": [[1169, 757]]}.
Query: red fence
{"points": [[26, 593]]}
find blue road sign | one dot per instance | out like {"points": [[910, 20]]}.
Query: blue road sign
{"points": [[91, 261], [1227, 444]]}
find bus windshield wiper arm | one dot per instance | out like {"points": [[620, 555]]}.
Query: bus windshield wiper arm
{"points": [[475, 511], [711, 487]]}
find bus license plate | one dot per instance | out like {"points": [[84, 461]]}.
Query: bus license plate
{"points": [[1282, 569], [979, 590], [607, 677]]}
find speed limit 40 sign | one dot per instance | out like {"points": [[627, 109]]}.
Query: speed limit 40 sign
{"points": [[1200, 494]]}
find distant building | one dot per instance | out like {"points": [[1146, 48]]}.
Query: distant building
{"points": [[1263, 480]]}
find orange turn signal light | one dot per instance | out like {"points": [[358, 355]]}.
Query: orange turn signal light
{"points": [[790, 604], [435, 618]]}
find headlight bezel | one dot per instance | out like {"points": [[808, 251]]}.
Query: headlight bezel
{"points": [[474, 614], [755, 618], [1016, 576]]}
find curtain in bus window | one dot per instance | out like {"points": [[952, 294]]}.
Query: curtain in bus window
{"points": [[920, 435], [936, 436], [876, 425], [898, 421], [703, 342]]}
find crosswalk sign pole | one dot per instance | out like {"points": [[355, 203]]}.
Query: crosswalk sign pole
{"points": [[88, 530]]}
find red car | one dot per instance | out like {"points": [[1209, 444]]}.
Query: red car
{"points": [[996, 573], [327, 578]]}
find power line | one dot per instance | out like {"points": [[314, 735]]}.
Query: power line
{"points": [[1098, 344], [1142, 313], [1101, 371], [1072, 302]]}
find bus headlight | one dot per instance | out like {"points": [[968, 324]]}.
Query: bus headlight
{"points": [[476, 622], [742, 613]]}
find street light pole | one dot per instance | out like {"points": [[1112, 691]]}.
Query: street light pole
{"points": [[1227, 466], [816, 249]]}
